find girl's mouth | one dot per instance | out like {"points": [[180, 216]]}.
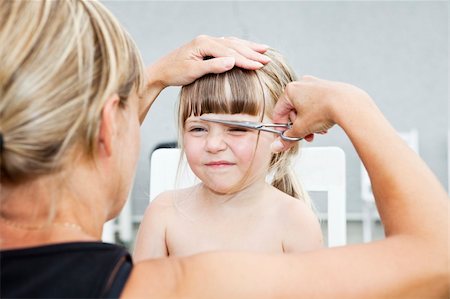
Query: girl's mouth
{"points": [[219, 164]]}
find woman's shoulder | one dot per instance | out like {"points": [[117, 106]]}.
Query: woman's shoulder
{"points": [[69, 264]]}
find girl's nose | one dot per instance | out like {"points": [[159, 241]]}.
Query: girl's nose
{"points": [[215, 142]]}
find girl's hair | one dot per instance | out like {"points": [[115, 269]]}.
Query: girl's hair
{"points": [[59, 62], [249, 92]]}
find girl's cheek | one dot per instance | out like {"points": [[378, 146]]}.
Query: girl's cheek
{"points": [[245, 148]]}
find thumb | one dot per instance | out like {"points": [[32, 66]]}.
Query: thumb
{"points": [[283, 110], [280, 145], [216, 65]]}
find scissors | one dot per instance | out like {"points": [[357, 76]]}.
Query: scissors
{"points": [[256, 126]]}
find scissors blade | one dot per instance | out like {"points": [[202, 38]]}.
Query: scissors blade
{"points": [[255, 126], [243, 124]]}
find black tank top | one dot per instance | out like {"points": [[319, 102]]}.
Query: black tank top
{"points": [[66, 270]]}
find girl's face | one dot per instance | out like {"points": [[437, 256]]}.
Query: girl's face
{"points": [[223, 156]]}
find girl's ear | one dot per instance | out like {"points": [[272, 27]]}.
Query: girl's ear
{"points": [[108, 125]]}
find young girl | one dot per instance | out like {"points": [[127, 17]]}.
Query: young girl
{"points": [[233, 208]]}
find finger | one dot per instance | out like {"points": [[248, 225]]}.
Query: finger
{"points": [[309, 137], [245, 49], [260, 48], [282, 110], [298, 129], [280, 145], [216, 48], [292, 116], [215, 65], [247, 63], [250, 54]]}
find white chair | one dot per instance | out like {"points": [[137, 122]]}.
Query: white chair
{"points": [[369, 210], [108, 234], [319, 169], [123, 225]]}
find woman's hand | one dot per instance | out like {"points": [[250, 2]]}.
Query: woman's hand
{"points": [[313, 106], [187, 63]]}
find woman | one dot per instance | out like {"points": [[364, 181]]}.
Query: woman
{"points": [[72, 95], [71, 82]]}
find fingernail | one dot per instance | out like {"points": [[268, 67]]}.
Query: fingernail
{"points": [[258, 64], [228, 62], [276, 146], [266, 58]]}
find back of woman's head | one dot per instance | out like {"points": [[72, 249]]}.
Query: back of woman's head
{"points": [[248, 92], [60, 61]]}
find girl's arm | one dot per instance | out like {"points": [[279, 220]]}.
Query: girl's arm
{"points": [[185, 64], [151, 237]]}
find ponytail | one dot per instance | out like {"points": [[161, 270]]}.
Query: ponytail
{"points": [[284, 178]]}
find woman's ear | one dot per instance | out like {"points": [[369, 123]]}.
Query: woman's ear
{"points": [[108, 124]]}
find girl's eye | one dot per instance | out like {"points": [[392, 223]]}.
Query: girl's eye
{"points": [[197, 129], [238, 129]]}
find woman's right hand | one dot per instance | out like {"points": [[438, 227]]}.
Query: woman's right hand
{"points": [[313, 105]]}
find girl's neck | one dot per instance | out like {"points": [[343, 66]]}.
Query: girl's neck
{"points": [[247, 196]]}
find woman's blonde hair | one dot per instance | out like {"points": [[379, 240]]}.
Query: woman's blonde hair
{"points": [[60, 61], [248, 92]]}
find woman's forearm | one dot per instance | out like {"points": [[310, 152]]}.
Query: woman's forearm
{"points": [[153, 89]]}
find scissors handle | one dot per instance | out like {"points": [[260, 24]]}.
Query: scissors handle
{"points": [[286, 125], [287, 138], [268, 128]]}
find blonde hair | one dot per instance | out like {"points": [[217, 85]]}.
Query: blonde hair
{"points": [[248, 92], [60, 61]]}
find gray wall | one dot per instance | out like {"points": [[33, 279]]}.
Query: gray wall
{"points": [[396, 51]]}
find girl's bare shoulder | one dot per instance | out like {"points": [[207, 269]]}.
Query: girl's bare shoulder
{"points": [[296, 218], [166, 200], [292, 210], [167, 197], [285, 202]]}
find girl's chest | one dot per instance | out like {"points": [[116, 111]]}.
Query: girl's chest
{"points": [[190, 236]]}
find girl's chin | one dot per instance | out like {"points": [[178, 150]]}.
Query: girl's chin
{"points": [[223, 190]]}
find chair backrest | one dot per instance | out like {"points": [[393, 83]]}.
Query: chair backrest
{"points": [[319, 169]]}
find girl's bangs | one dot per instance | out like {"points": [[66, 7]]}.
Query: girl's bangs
{"points": [[233, 92]]}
